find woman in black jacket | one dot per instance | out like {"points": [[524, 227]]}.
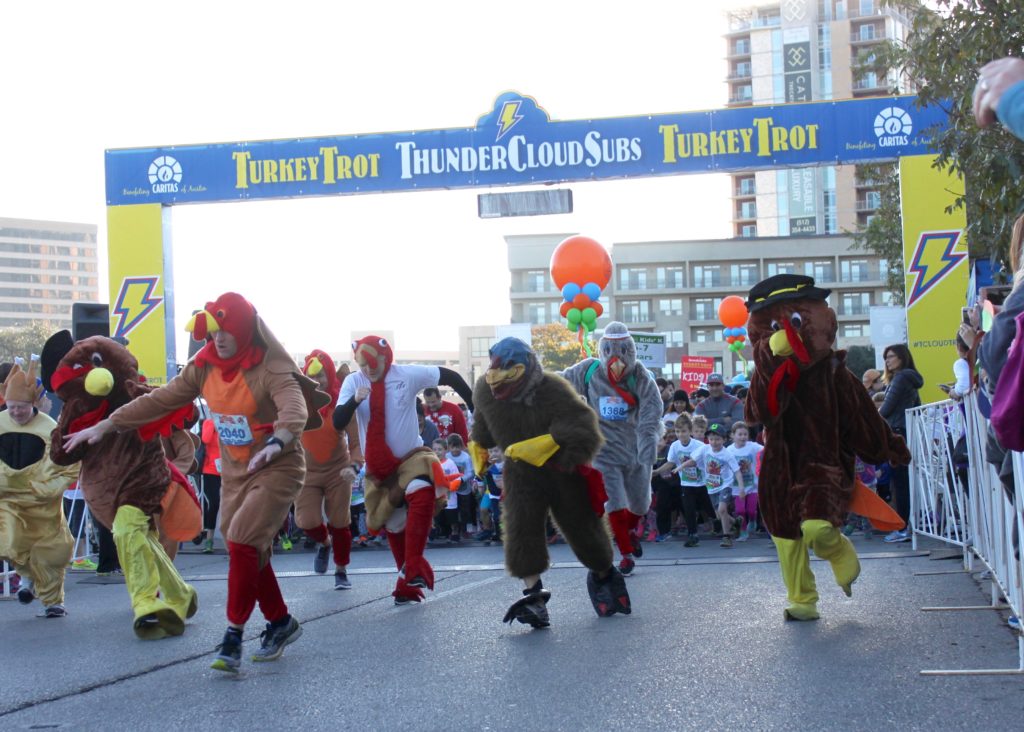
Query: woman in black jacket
{"points": [[902, 384]]}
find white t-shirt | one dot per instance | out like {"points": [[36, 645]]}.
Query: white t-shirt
{"points": [[450, 471], [720, 469], [401, 383], [679, 454], [746, 456], [465, 466]]}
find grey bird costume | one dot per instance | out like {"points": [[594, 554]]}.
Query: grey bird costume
{"points": [[631, 432]]}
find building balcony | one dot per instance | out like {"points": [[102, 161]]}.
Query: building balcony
{"points": [[738, 51], [739, 75], [867, 205], [744, 191], [739, 102], [859, 40]]}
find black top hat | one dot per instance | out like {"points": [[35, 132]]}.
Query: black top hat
{"points": [[783, 287]]}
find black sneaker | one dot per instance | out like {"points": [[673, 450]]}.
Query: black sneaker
{"points": [[323, 553], [691, 541], [26, 594], [341, 580], [229, 652], [275, 638], [54, 611]]}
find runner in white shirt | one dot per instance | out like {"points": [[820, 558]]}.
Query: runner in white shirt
{"points": [[686, 450]]}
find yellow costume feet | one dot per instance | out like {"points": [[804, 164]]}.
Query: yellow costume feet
{"points": [[802, 592], [161, 623], [829, 544], [801, 611]]}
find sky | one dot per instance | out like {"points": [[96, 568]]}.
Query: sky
{"points": [[83, 77]]}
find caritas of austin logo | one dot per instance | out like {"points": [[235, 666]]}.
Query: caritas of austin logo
{"points": [[893, 127], [165, 174]]}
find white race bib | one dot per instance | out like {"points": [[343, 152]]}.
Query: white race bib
{"points": [[233, 429], [613, 408]]}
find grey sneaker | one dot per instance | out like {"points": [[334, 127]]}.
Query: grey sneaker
{"points": [[53, 611], [273, 640], [341, 580], [323, 553]]}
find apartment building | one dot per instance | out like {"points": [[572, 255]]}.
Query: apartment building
{"points": [[804, 51], [45, 266]]}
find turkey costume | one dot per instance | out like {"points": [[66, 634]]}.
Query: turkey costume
{"points": [[260, 404], [817, 416], [327, 488], [628, 405], [126, 479], [34, 535], [549, 437], [404, 480]]}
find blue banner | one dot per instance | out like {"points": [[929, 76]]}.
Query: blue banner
{"points": [[518, 144]]}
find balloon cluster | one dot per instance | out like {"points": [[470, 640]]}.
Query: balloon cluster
{"points": [[581, 269], [733, 314], [581, 306]]}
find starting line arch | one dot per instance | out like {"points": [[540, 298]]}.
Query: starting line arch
{"points": [[515, 144]]}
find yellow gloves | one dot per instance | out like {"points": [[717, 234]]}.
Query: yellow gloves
{"points": [[479, 456], [535, 451]]}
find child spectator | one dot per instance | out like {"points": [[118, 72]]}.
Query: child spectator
{"points": [[698, 426], [668, 495], [359, 529], [868, 475], [686, 458], [453, 474], [720, 472], [746, 454], [466, 500], [490, 503]]}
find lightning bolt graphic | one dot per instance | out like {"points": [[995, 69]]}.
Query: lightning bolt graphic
{"points": [[135, 301], [933, 259], [508, 118]]}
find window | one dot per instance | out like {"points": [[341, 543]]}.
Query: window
{"points": [[479, 347], [748, 230], [775, 268], [673, 338], [824, 47], [536, 280], [886, 298], [855, 330], [707, 335], [867, 32], [873, 199], [669, 277], [854, 270], [632, 278], [823, 271], [707, 275], [536, 313], [745, 187], [672, 369], [743, 274], [635, 311], [706, 308], [741, 69], [856, 303], [867, 7], [748, 210], [741, 47], [671, 306]]}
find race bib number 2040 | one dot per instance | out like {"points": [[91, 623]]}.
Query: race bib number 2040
{"points": [[233, 429]]}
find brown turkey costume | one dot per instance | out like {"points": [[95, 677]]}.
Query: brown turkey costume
{"points": [[260, 404], [329, 476], [126, 479], [817, 417]]}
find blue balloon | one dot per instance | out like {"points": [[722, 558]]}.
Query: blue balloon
{"points": [[729, 332], [591, 290], [741, 331], [570, 291]]}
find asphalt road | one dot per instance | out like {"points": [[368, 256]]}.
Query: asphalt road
{"points": [[705, 648]]}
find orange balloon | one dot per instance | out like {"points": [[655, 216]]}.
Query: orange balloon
{"points": [[733, 312], [597, 308], [580, 259], [581, 301], [564, 310]]}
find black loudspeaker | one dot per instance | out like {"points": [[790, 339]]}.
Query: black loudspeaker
{"points": [[90, 319]]}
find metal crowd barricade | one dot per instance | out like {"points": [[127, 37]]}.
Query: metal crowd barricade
{"points": [[981, 517], [937, 499]]}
